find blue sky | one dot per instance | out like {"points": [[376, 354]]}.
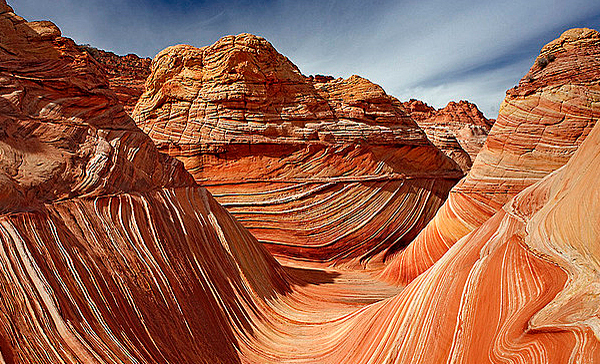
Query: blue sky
{"points": [[433, 50]]}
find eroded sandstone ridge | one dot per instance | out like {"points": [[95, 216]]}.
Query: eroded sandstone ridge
{"points": [[316, 168], [541, 123], [63, 132], [144, 266], [126, 74], [459, 129]]}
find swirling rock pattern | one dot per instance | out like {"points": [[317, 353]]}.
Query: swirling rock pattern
{"points": [[541, 123], [151, 268], [63, 133], [316, 168], [521, 288]]}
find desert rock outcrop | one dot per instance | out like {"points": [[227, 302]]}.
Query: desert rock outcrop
{"points": [[126, 74], [63, 132], [316, 168], [459, 129], [541, 123]]}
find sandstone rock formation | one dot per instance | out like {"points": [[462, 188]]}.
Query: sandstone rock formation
{"points": [[316, 168], [126, 74], [138, 264], [522, 287], [458, 129], [109, 251], [63, 133], [541, 123]]}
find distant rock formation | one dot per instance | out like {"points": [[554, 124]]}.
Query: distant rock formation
{"points": [[316, 168], [458, 123], [541, 123], [126, 74]]}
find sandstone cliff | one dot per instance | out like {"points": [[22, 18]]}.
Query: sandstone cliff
{"points": [[459, 129], [126, 74], [316, 168], [541, 123]]}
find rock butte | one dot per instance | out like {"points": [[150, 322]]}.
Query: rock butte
{"points": [[126, 74], [459, 129], [541, 123], [318, 169], [141, 265]]}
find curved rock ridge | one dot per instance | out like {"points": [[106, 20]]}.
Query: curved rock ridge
{"points": [[126, 74], [316, 168], [63, 133], [109, 251], [521, 288], [459, 129], [541, 123]]}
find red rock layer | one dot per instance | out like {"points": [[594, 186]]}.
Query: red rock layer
{"points": [[63, 133], [126, 74], [109, 251], [316, 168], [541, 123], [459, 129]]}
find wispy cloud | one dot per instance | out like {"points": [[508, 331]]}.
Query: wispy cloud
{"points": [[434, 50]]}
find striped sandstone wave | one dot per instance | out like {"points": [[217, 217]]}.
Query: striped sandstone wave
{"points": [[541, 123], [317, 168]]}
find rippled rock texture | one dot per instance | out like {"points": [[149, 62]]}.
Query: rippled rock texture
{"points": [[317, 168], [521, 288], [459, 129], [138, 264], [109, 251], [541, 123]]}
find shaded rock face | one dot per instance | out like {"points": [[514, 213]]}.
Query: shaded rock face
{"points": [[62, 132], [109, 251], [541, 123], [126, 74], [459, 129], [316, 168]]}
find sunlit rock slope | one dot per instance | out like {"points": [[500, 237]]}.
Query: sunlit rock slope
{"points": [[541, 123], [316, 168]]}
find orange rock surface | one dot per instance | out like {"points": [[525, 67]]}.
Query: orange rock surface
{"points": [[126, 74], [541, 123], [317, 168], [459, 129], [138, 264]]}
